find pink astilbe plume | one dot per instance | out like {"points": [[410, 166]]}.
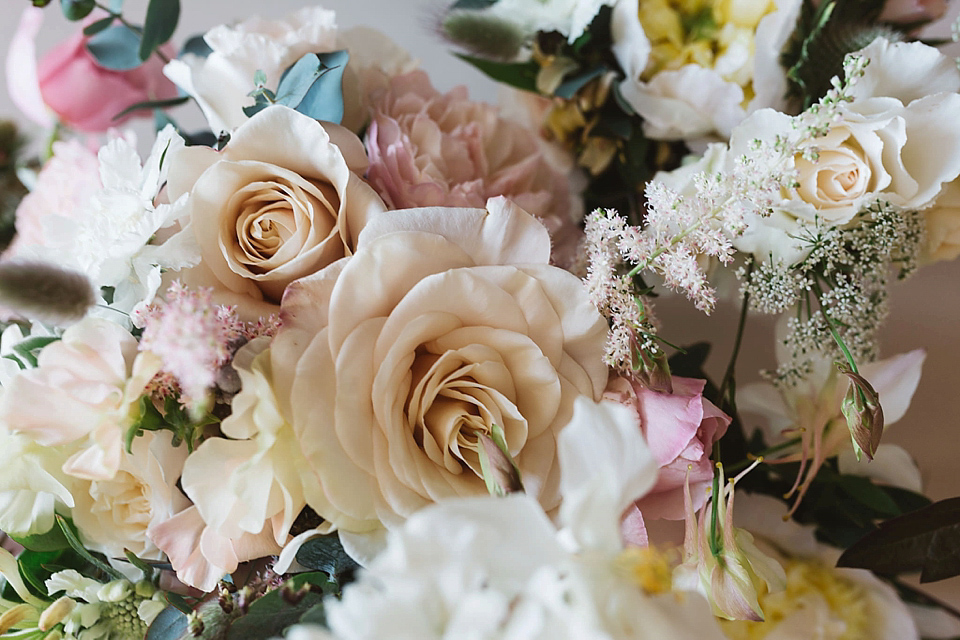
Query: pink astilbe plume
{"points": [[194, 338]]}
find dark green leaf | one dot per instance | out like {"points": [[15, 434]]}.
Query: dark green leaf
{"points": [[573, 84], [30, 348], [196, 45], [94, 28], [325, 553], [116, 48], [33, 568], [77, 9], [145, 568], [522, 75], [926, 540], [178, 602], [870, 495], [52, 540], [67, 527], [159, 25], [41, 3], [472, 4], [153, 104], [170, 624], [269, 616]]}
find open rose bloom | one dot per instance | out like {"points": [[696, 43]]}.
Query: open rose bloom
{"points": [[372, 359]]}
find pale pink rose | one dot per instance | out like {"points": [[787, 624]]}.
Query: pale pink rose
{"points": [[681, 428], [47, 216], [432, 149], [394, 363], [84, 95]]}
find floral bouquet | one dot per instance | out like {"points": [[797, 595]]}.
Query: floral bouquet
{"points": [[363, 359]]}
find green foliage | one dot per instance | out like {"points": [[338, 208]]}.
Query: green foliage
{"points": [[96, 27], [472, 4], [522, 75], [52, 540], [159, 25], [75, 9], [26, 351], [326, 554], [926, 540], [116, 48], [299, 599], [170, 624], [313, 86], [173, 417], [70, 533], [153, 104]]}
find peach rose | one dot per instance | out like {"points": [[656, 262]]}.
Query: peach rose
{"points": [[393, 364], [281, 201], [433, 149]]}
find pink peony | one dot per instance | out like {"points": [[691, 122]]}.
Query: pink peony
{"points": [[432, 149], [680, 428], [84, 95]]}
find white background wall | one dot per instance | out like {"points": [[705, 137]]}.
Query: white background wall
{"points": [[926, 308]]}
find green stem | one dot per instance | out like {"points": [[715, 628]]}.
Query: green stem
{"points": [[833, 328], [51, 140], [715, 546], [728, 375]]}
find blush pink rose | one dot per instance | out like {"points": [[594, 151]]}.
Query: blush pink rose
{"points": [[428, 148], [680, 428], [84, 95]]}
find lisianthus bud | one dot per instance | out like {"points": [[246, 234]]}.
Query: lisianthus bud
{"points": [[861, 407], [500, 472], [721, 561]]}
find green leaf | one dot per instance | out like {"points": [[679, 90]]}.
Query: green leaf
{"points": [[472, 4], [326, 554], [314, 86], [197, 46], [269, 616], [29, 348], [522, 75], [170, 624], [868, 494], [41, 3], [116, 48], [67, 527], [94, 28], [926, 540], [145, 568], [153, 104], [159, 25], [33, 568], [177, 601], [573, 84], [76, 9], [52, 540]]}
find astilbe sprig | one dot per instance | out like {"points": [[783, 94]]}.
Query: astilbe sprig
{"points": [[195, 339]]}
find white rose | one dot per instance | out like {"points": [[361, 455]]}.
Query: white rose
{"points": [[281, 201], [113, 515], [221, 82], [444, 323]]}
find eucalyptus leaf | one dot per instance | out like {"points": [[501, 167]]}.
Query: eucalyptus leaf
{"points": [[473, 4], [76, 9], [94, 28], [925, 540], [170, 624], [576, 82], [116, 48], [326, 554], [197, 46], [159, 25], [314, 86]]}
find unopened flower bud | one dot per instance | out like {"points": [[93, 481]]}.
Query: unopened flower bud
{"points": [[115, 591], [14, 616], [56, 613], [861, 407], [500, 472]]}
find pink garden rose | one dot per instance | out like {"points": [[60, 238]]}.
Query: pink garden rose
{"points": [[84, 95], [427, 149], [681, 428]]}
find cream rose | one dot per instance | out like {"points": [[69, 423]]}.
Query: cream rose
{"points": [[281, 201], [114, 515], [943, 226], [444, 323]]}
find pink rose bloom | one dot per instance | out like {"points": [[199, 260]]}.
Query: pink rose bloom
{"points": [[84, 95], [680, 428], [431, 149], [46, 216]]}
